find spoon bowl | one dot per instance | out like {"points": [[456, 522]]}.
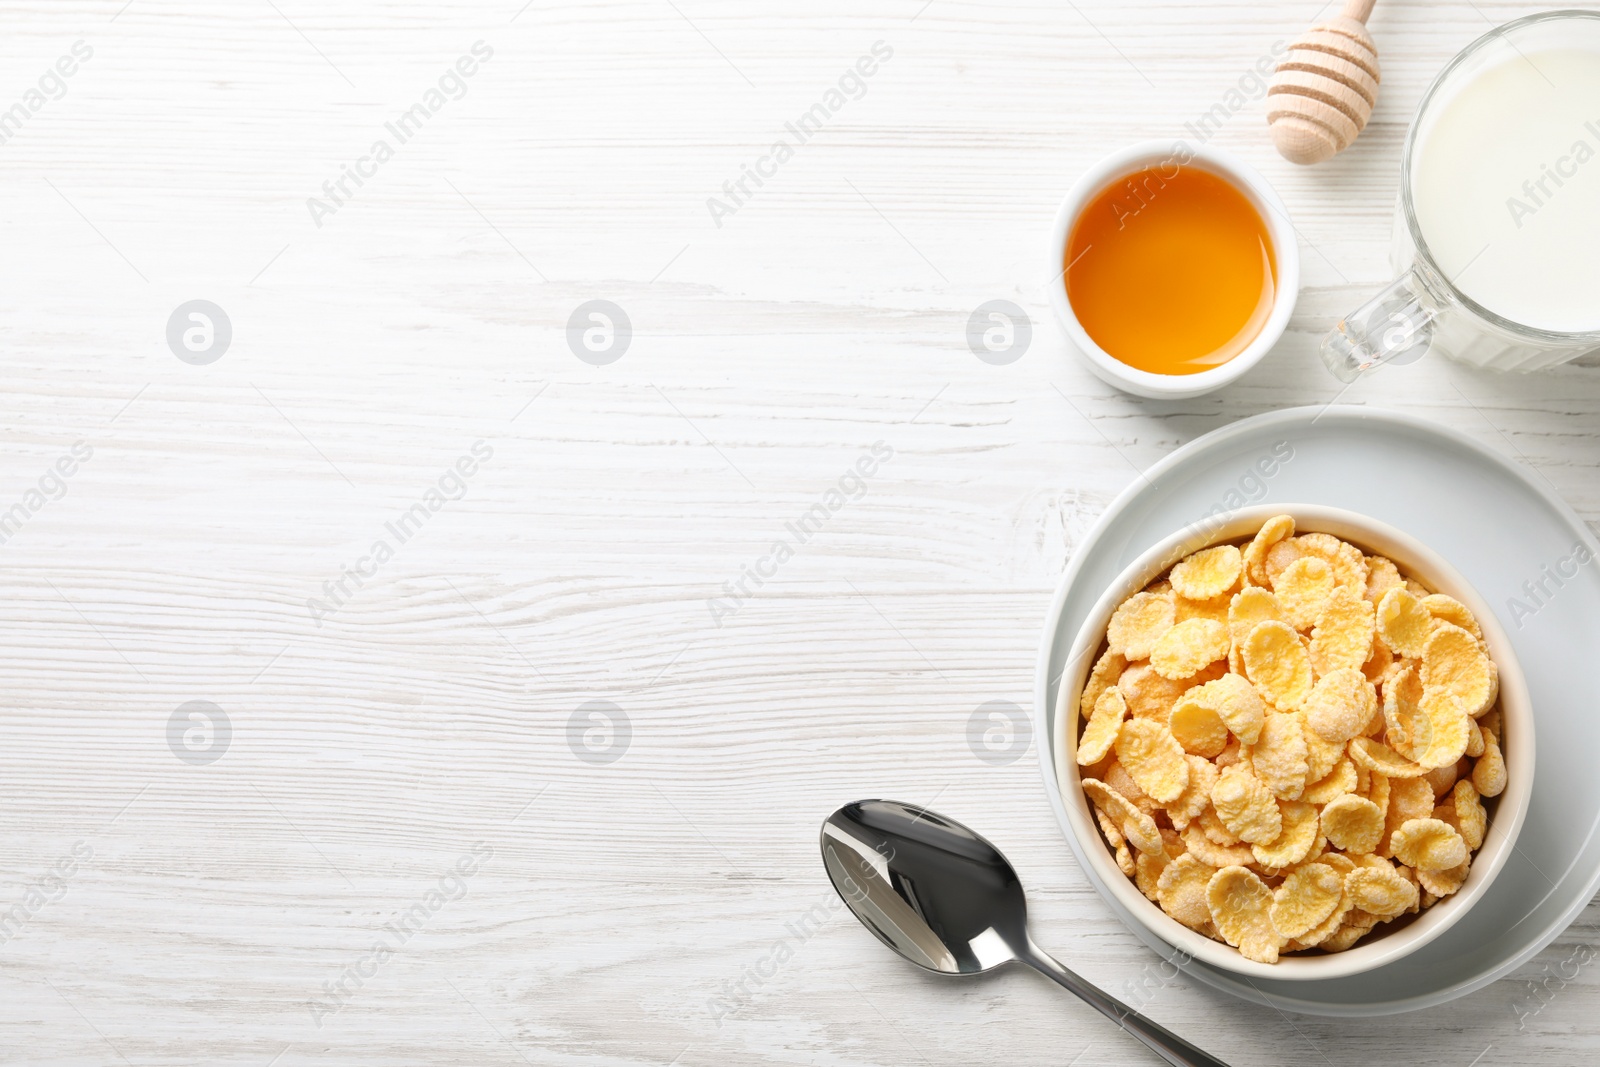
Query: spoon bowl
{"points": [[947, 900]]}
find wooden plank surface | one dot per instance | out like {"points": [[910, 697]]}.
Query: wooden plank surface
{"points": [[419, 723]]}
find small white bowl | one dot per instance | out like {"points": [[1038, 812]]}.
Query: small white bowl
{"points": [[1285, 251], [1413, 558]]}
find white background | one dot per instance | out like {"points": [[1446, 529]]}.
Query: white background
{"points": [[430, 713]]}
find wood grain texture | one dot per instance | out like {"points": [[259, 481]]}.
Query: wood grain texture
{"points": [[623, 903]]}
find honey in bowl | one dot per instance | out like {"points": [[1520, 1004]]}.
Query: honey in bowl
{"points": [[1171, 270]]}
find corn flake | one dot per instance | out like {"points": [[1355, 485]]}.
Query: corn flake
{"points": [[1209, 852], [1249, 606], [1147, 868], [1382, 576], [1188, 647], [1379, 791], [1443, 779], [1279, 556], [1444, 883], [1357, 924], [1471, 820], [1241, 908], [1403, 623], [1376, 756], [1254, 557], [1475, 740], [1141, 620], [1348, 563], [1429, 845], [1352, 824], [1297, 840], [1305, 899], [1448, 728], [1342, 637], [1489, 773], [1246, 806], [1446, 813], [1149, 695], [1381, 891], [1302, 589], [1211, 824], [1100, 733], [1319, 934], [1341, 704], [1146, 750], [1406, 724], [1277, 664], [1409, 798], [1196, 796], [1197, 727], [1181, 890], [1134, 824], [1120, 780], [1363, 779], [1321, 756], [1339, 862], [1108, 826], [1453, 659], [1449, 609], [1215, 609], [1208, 573], [1279, 756], [1234, 701], [1340, 781], [1379, 662], [1279, 559], [1410, 875], [1107, 669]]}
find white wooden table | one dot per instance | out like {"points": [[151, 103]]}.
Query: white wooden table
{"points": [[296, 899]]}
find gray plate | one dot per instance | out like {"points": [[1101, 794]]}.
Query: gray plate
{"points": [[1501, 526]]}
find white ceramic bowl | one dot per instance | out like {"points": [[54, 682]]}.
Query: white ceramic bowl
{"points": [[1244, 178], [1413, 558]]}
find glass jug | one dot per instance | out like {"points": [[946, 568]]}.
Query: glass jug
{"points": [[1429, 307]]}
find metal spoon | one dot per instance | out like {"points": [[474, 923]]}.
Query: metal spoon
{"points": [[946, 899]]}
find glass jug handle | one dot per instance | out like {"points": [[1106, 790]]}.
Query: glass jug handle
{"points": [[1396, 326]]}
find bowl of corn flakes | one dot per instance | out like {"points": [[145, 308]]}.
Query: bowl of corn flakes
{"points": [[1293, 742]]}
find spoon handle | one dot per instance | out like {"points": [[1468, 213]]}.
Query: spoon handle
{"points": [[1163, 1042]]}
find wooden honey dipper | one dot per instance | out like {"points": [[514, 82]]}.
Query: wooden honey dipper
{"points": [[1323, 92]]}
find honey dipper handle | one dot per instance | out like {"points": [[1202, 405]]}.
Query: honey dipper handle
{"points": [[1358, 9]]}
